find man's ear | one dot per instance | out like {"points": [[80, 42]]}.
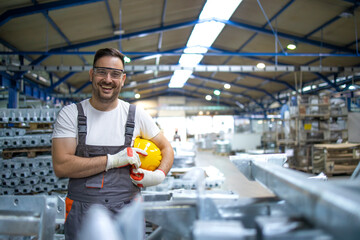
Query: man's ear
{"points": [[91, 71]]}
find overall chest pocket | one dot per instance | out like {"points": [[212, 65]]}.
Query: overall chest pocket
{"points": [[98, 180]]}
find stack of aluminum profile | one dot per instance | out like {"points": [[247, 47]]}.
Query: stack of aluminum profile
{"points": [[24, 141], [21, 137], [22, 175], [28, 115]]}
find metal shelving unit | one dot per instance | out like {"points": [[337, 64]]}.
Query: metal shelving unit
{"points": [[313, 120]]}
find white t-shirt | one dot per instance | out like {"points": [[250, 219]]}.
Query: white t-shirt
{"points": [[104, 128]]}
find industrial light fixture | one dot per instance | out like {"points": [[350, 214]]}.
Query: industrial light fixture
{"points": [[227, 86], [291, 46], [208, 97], [179, 78], [260, 65], [127, 59], [354, 87], [217, 92], [346, 14], [137, 95], [197, 44], [119, 32], [150, 57]]}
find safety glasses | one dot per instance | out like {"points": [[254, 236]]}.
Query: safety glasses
{"points": [[104, 71]]}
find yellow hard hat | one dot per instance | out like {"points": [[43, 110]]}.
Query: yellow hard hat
{"points": [[153, 159]]}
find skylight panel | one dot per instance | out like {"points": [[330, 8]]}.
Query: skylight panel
{"points": [[203, 36]]}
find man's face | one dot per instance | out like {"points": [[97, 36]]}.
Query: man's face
{"points": [[107, 79]]}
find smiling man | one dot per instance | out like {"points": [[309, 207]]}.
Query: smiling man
{"points": [[92, 145]]}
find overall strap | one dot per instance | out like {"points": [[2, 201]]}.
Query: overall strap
{"points": [[130, 125], [81, 125]]}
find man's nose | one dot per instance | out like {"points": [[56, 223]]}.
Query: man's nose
{"points": [[108, 76]]}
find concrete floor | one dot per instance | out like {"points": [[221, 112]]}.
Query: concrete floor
{"points": [[234, 180]]}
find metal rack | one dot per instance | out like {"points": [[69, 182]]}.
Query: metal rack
{"points": [[32, 216], [26, 163], [314, 120]]}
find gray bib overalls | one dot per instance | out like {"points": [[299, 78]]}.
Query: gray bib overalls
{"points": [[113, 188]]}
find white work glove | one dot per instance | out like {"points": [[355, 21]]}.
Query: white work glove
{"points": [[127, 156], [145, 178]]}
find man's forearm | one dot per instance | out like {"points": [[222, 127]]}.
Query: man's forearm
{"points": [[78, 167], [167, 159]]}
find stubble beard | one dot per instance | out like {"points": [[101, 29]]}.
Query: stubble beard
{"points": [[104, 99]]}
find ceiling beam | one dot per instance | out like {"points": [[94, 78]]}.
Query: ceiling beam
{"points": [[355, 2], [24, 11], [108, 9], [116, 38], [177, 53], [284, 35], [330, 21], [192, 23], [268, 79], [57, 28], [153, 87], [162, 24], [61, 80], [232, 94], [347, 82], [82, 87], [255, 34], [237, 85], [181, 92], [11, 47], [198, 68]]}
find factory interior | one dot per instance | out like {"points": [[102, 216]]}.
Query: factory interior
{"points": [[259, 99]]}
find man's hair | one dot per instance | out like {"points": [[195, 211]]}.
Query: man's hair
{"points": [[112, 52]]}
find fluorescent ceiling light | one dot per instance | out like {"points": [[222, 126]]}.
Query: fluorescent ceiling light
{"points": [[150, 57], [161, 79], [227, 86], [190, 60], [307, 88], [137, 95], [354, 87], [127, 59], [203, 36], [208, 97], [219, 9], [291, 46], [119, 32], [260, 65], [179, 78], [195, 49], [148, 72], [216, 92]]}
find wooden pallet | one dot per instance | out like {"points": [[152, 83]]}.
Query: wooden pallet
{"points": [[34, 125], [27, 125], [29, 152]]}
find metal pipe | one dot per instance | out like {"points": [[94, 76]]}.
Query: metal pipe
{"points": [[324, 204]]}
